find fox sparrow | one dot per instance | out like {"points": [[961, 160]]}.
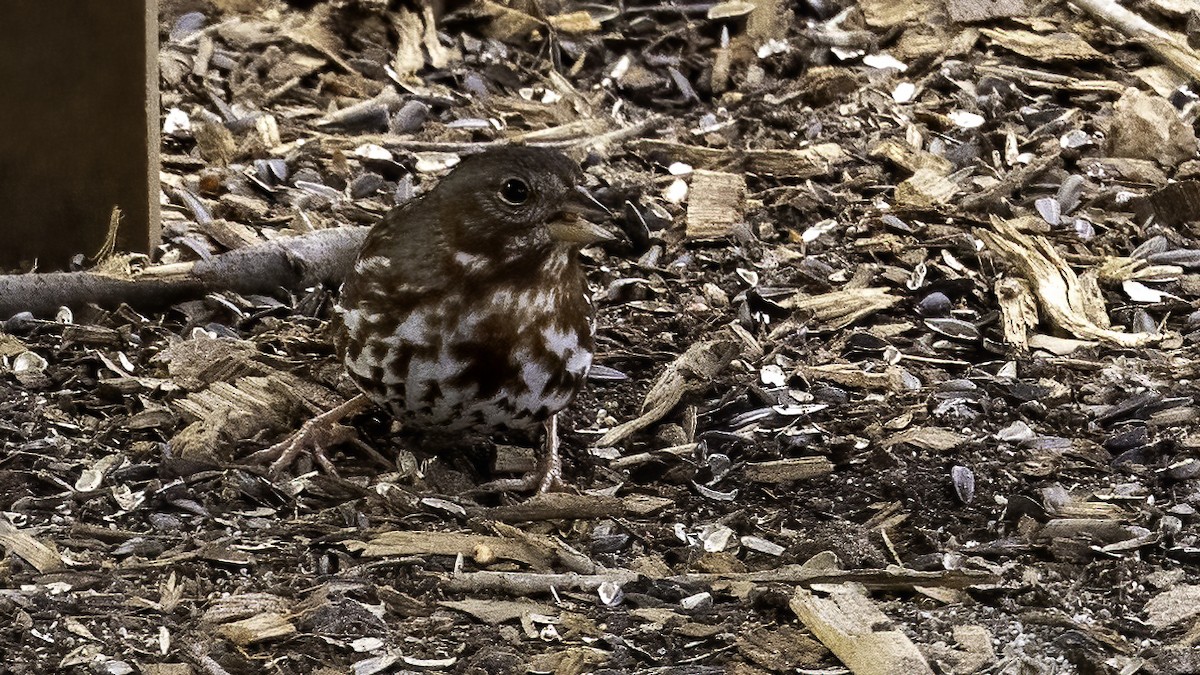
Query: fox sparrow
{"points": [[467, 311]]}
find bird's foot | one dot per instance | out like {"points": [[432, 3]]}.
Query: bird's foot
{"points": [[314, 437], [547, 478]]}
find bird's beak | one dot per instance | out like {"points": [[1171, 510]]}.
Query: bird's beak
{"points": [[577, 226]]}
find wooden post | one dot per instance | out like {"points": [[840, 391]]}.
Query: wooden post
{"points": [[78, 128]]}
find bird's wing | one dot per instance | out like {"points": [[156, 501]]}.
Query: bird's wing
{"points": [[402, 259]]}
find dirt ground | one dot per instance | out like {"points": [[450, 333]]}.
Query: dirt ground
{"points": [[906, 310]]}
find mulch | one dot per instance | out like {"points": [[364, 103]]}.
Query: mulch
{"points": [[896, 370]]}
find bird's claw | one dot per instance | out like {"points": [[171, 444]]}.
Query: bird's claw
{"points": [[314, 437]]}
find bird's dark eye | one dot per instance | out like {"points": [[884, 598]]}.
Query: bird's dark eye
{"points": [[514, 191]]}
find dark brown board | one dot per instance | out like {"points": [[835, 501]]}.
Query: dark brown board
{"points": [[78, 128]]}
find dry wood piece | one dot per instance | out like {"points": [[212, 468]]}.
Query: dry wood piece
{"points": [[716, 203], [973, 653], [909, 158], [929, 438], [417, 43], [768, 20], [693, 370], [23, 545], [1163, 80], [1126, 170], [787, 470], [1146, 126], [1092, 530], [1065, 46], [243, 606], [892, 578], [574, 23], [838, 309], [814, 160], [1173, 606], [11, 346], [1043, 79], [782, 649], [397, 543], [1173, 204], [973, 11], [235, 396], [1069, 301], [890, 13], [554, 506], [855, 631], [229, 411], [925, 189], [499, 611], [1018, 308], [527, 583], [850, 375], [260, 628]]}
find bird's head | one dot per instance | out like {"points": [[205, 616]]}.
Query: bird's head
{"points": [[523, 194]]}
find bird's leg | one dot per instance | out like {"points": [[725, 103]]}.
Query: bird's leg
{"points": [[550, 464], [317, 434]]}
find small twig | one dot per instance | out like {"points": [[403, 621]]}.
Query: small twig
{"points": [[1046, 156], [1170, 47], [204, 661]]}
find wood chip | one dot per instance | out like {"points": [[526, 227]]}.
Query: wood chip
{"points": [[243, 606], [1068, 300], [909, 158], [787, 470], [925, 189], [1173, 606], [1052, 47], [850, 375], [974, 11], [814, 160], [838, 309], [498, 611], [1171, 47], [928, 438], [508, 24], [1147, 126], [1018, 309], [40, 556], [645, 505], [574, 23], [716, 204], [260, 628], [889, 13], [854, 629]]}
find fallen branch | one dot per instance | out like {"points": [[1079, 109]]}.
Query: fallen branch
{"points": [[297, 262], [892, 578]]}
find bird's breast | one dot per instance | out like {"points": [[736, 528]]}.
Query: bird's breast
{"points": [[479, 356]]}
